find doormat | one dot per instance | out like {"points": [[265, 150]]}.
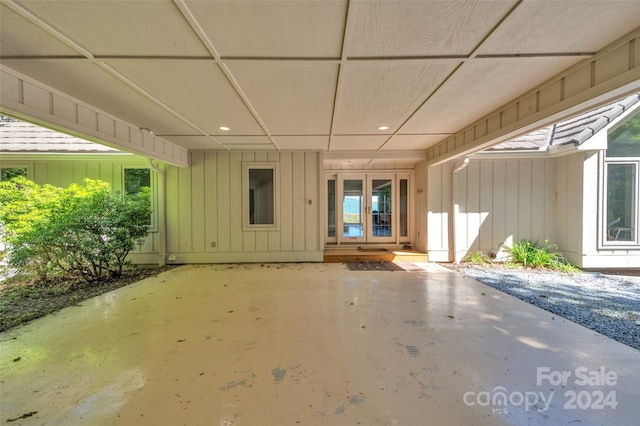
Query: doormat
{"points": [[373, 266], [372, 249]]}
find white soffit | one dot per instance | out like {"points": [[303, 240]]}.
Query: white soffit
{"points": [[268, 29], [404, 142], [415, 29], [491, 82], [312, 74], [293, 97], [320, 143], [84, 80], [355, 143], [379, 93], [547, 27], [123, 28], [193, 142], [201, 92]]}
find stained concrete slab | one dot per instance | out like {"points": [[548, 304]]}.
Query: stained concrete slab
{"points": [[313, 344]]}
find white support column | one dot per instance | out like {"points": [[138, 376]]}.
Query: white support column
{"points": [[611, 73], [31, 100]]}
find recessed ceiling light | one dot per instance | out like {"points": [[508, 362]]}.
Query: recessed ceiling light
{"points": [[224, 128], [383, 128]]}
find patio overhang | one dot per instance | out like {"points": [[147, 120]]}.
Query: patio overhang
{"points": [[31, 100], [445, 78], [612, 73]]}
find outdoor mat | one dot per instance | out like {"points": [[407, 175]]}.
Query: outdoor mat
{"points": [[372, 249], [373, 266]]}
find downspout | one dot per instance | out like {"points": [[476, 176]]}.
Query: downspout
{"points": [[455, 208], [162, 226]]}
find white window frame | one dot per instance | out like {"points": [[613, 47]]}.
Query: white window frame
{"points": [[605, 243], [153, 226], [246, 168]]}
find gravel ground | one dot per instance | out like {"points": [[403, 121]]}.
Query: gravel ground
{"points": [[608, 304]]}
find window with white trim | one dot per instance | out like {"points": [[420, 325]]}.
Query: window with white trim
{"points": [[261, 196], [621, 180]]}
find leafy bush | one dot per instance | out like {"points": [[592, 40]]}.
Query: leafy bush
{"points": [[531, 254], [82, 229]]}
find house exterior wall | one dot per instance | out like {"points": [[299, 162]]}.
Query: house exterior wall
{"points": [[63, 170], [205, 209], [488, 204], [421, 206], [569, 214], [591, 254], [438, 211]]}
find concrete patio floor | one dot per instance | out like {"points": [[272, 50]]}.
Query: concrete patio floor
{"points": [[313, 344]]}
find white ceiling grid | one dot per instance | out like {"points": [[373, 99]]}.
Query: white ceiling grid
{"points": [[320, 75]]}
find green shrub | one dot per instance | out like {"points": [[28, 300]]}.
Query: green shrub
{"points": [[531, 254], [83, 229]]}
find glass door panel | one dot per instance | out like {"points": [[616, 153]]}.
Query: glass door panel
{"points": [[403, 225], [368, 208], [331, 210], [353, 210], [381, 209]]}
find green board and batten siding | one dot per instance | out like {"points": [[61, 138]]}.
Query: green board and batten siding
{"points": [[205, 209], [63, 170]]}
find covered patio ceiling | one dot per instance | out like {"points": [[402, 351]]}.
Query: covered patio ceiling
{"points": [[356, 79]]}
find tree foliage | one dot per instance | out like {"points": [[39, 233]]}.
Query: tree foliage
{"points": [[82, 229], [624, 141]]}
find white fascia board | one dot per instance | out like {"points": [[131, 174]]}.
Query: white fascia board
{"points": [[596, 142], [41, 107], [375, 155]]}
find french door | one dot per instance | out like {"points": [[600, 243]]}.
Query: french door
{"points": [[367, 208]]}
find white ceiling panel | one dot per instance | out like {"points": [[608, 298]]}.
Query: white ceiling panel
{"points": [[376, 93], [291, 97], [21, 37], [91, 84], [193, 142], [273, 29], [309, 74], [249, 147], [345, 163], [487, 82], [244, 140], [204, 94], [145, 28], [563, 27], [356, 143], [427, 28], [407, 142], [303, 142], [396, 160]]}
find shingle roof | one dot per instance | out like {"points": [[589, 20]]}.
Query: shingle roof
{"points": [[576, 130], [19, 136]]}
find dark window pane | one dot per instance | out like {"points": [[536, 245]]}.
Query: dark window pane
{"points": [[331, 208], [7, 173], [261, 197], [621, 193], [404, 207], [136, 179]]}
